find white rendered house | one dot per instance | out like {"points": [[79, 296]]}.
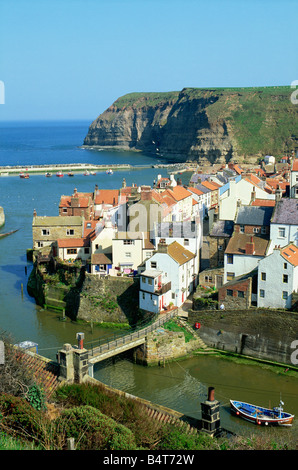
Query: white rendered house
{"points": [[169, 278], [278, 277]]}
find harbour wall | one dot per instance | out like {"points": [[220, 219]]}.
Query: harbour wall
{"points": [[264, 335]]}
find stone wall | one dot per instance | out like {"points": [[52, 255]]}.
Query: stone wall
{"points": [[111, 299], [258, 333], [163, 345]]}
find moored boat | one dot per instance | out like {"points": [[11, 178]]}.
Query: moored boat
{"points": [[70, 173], [109, 172], [59, 174], [86, 173], [48, 175], [93, 173], [260, 415], [24, 175]]}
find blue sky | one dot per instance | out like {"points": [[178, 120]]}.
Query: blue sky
{"points": [[71, 59]]}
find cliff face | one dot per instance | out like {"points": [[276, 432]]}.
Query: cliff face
{"points": [[199, 124]]}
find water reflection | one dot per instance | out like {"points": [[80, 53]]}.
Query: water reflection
{"points": [[183, 385]]}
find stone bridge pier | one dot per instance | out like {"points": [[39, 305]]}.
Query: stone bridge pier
{"points": [[73, 361]]}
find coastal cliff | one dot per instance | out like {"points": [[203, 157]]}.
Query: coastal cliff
{"points": [[204, 125]]}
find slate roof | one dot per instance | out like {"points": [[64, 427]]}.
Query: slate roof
{"points": [[51, 221], [286, 212], [253, 215], [222, 228]]}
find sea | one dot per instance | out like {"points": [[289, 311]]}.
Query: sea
{"points": [[180, 385]]}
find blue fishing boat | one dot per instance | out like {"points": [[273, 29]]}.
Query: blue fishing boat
{"points": [[260, 415]]}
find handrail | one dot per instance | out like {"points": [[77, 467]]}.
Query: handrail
{"points": [[112, 342]]}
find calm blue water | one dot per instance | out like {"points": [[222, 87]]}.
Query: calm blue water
{"points": [[181, 386], [44, 143]]}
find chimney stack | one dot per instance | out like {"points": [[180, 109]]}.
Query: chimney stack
{"points": [[250, 247], [210, 414]]}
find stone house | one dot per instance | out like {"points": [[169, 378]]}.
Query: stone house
{"points": [[48, 229], [169, 278], [78, 204], [218, 239], [240, 293], [253, 220]]}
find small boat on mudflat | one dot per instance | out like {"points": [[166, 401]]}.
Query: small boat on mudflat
{"points": [[260, 415]]}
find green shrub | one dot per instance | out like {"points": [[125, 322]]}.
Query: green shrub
{"points": [[18, 415], [92, 430]]}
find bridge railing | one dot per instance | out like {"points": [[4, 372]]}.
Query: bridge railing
{"points": [[112, 342]]}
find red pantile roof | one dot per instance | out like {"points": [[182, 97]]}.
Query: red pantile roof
{"points": [[72, 242], [107, 196], [290, 254], [295, 165], [263, 202]]}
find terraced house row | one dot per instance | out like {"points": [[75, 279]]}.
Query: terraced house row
{"points": [[224, 229]]}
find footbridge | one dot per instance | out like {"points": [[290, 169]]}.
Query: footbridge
{"points": [[117, 345]]}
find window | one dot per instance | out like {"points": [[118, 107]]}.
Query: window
{"points": [[285, 295], [64, 209], [128, 254], [143, 295], [256, 230], [230, 276], [263, 230], [150, 281], [230, 259], [86, 250], [128, 242], [240, 294], [285, 278], [230, 292], [45, 231], [88, 225], [153, 264], [186, 242], [173, 296], [281, 232], [70, 231], [285, 265], [220, 247], [144, 280], [71, 251], [263, 276], [241, 228], [262, 293]]}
